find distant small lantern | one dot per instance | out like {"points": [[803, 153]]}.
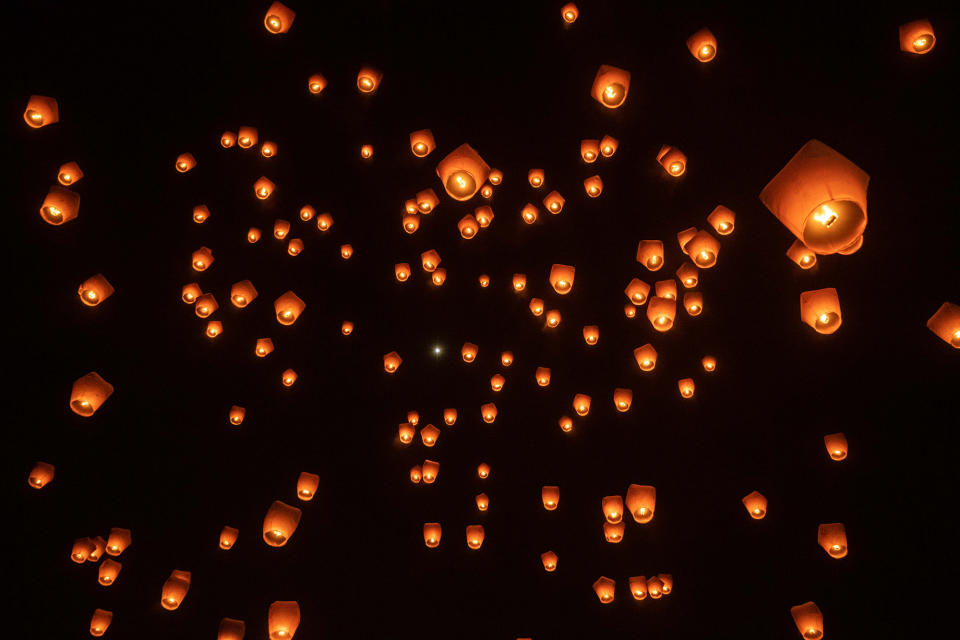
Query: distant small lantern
{"points": [[622, 399], [247, 137], [486, 191], [756, 505], [641, 501], [175, 589], [809, 620], [945, 324], [462, 172], [917, 37], [295, 246], [69, 173], [253, 235], [429, 260], [89, 393], [650, 254], [483, 470], [593, 186], [722, 220], [506, 358], [612, 507], [438, 277], [484, 216], [549, 560], [405, 432], [280, 523], [709, 364], [666, 289], [550, 496], [307, 213], [228, 139], [542, 376], [536, 178], [268, 149], [661, 313], [288, 308], [591, 334], [561, 278], [402, 271], [673, 161], [40, 475], [655, 587], [109, 570], [429, 435], [283, 618], [118, 540], [100, 547], [581, 404], [422, 143], [413, 418], [686, 387], [280, 229], [185, 162], [553, 318], [529, 213], [565, 423], [324, 221], [316, 83], [569, 13], [836, 444], [60, 205], [604, 588], [554, 202], [279, 18], [488, 412], [263, 187], [646, 357], [702, 45], [41, 111], [201, 213], [475, 536], [391, 362], [346, 251], [100, 622], [610, 86], [638, 587], [346, 328], [589, 150], [228, 537], [483, 502], [431, 470], [469, 352], [94, 290], [629, 310], [613, 533], [431, 534], [693, 302], [366, 151], [236, 415], [468, 226], [637, 291], [536, 306], [205, 305], [368, 80], [263, 347], [495, 177], [416, 474], [449, 417], [497, 381], [703, 249], [608, 146], [81, 550], [801, 255], [821, 310], [688, 275], [288, 377], [519, 281]]}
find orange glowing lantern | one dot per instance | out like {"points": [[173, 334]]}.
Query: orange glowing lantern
{"points": [[288, 377], [41, 111], [589, 150], [402, 271], [280, 523], [109, 570], [655, 587], [722, 220], [684, 237], [561, 278], [236, 415], [566, 424], [709, 364], [307, 485], [833, 539], [247, 137], [228, 537], [610, 86], [686, 387], [279, 18], [809, 620], [703, 249], [429, 435], [637, 291], [268, 149], [280, 229], [549, 560], [756, 505], [231, 629], [613, 533], [82, 549], [646, 357], [945, 324], [542, 376], [206, 304], [529, 213], [484, 216], [702, 45], [201, 213], [253, 235], [100, 621], [629, 310], [449, 417], [581, 404], [416, 474], [462, 172], [495, 177], [483, 470], [917, 37], [283, 618], [688, 275], [569, 13], [346, 328], [483, 502], [536, 306], [118, 540], [307, 213], [622, 399], [391, 362], [536, 178], [488, 411], [242, 293], [661, 312], [431, 534], [430, 260], [604, 588], [295, 246], [608, 146], [650, 254], [40, 475], [469, 352], [836, 444], [638, 587], [519, 281], [475, 536], [430, 471], [175, 589], [100, 545], [324, 221], [468, 226], [69, 173], [821, 310], [506, 358], [413, 418], [438, 277], [366, 151], [185, 162], [641, 501], [228, 139], [550, 495], [800, 254], [591, 334], [666, 582], [422, 143], [486, 191], [89, 393], [201, 259], [288, 308], [316, 83], [264, 347], [94, 290], [346, 251], [60, 205], [612, 507], [405, 432], [593, 186], [693, 302], [497, 381], [673, 161], [666, 289], [263, 187], [553, 318], [368, 80]]}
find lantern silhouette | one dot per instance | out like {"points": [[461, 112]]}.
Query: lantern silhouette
{"points": [[553, 318], [307, 485], [519, 281], [821, 310], [416, 474], [703, 249], [324, 221], [242, 293], [236, 415], [593, 186], [82, 549], [688, 275], [497, 381], [175, 589], [449, 417], [641, 501], [431, 534], [484, 216], [368, 80], [612, 507], [488, 412], [413, 418], [610, 86], [800, 254], [100, 621], [483, 470], [561, 278], [60, 205], [637, 291], [94, 290], [280, 523], [205, 305], [549, 560], [468, 226], [506, 358], [475, 536], [686, 387], [604, 588], [702, 45], [268, 149], [666, 289], [833, 539], [253, 235], [661, 312], [185, 162], [554, 202], [529, 213], [295, 246], [263, 347], [581, 404], [622, 399], [316, 83], [228, 537], [247, 137], [483, 502], [650, 254], [430, 260], [422, 143], [469, 352], [629, 310], [613, 533], [550, 495], [41, 111], [836, 444], [430, 471], [109, 570], [693, 302], [655, 587], [402, 271], [279, 19], [283, 618], [809, 620], [429, 435], [40, 475], [722, 220], [945, 324], [346, 328], [406, 432], [201, 213], [288, 377], [673, 161], [569, 13], [118, 540], [756, 505], [591, 334], [709, 364], [201, 259], [536, 178], [391, 362], [89, 393], [536, 306], [288, 308], [566, 424], [462, 172], [646, 357], [366, 151], [543, 376], [228, 139], [638, 587], [917, 37], [821, 197], [263, 187], [69, 173], [589, 150]]}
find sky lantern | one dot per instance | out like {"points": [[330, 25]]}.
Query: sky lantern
{"points": [[288, 377], [722, 220], [110, 569], [268, 149], [346, 251], [307, 485], [236, 415], [288, 308], [565, 423], [581, 404], [422, 143], [622, 399], [756, 505], [280, 523], [686, 387], [655, 587], [833, 539], [118, 540], [488, 412], [591, 334], [612, 507], [201, 213], [666, 581], [402, 271], [483, 470], [484, 216], [688, 275], [709, 364], [506, 358], [495, 177], [608, 146], [89, 393], [228, 537], [589, 150], [629, 310], [702, 45], [228, 139], [81, 550], [231, 629], [646, 357], [430, 470], [666, 289], [185, 162], [809, 620], [536, 306], [175, 589], [613, 533], [253, 235], [554, 202], [673, 161], [205, 305], [94, 290], [100, 621], [637, 291], [410, 207], [430, 260], [295, 246], [449, 417], [593, 186], [561, 278], [40, 475], [413, 418], [263, 347], [41, 111], [429, 435], [550, 495], [368, 80], [604, 588], [99, 548], [836, 444], [945, 324], [475, 536], [542, 376], [486, 191], [462, 172], [69, 173], [242, 293], [821, 197], [405, 432], [519, 281], [917, 37], [438, 277], [279, 18], [549, 560], [416, 474], [553, 318], [391, 362], [283, 618], [684, 237], [800, 254], [247, 137], [497, 381], [307, 212], [529, 213], [468, 226], [60, 205], [610, 86], [263, 187], [346, 328], [536, 178], [201, 259], [661, 313], [431, 534], [821, 310], [641, 502], [469, 352], [569, 13], [324, 221], [316, 83], [703, 249], [650, 254], [693, 302], [483, 502], [638, 587]]}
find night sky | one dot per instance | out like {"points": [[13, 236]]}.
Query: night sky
{"points": [[139, 83]]}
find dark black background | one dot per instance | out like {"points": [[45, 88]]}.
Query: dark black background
{"points": [[139, 83]]}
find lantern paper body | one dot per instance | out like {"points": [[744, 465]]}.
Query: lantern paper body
{"points": [[60, 205], [637, 291], [411, 221], [638, 587], [94, 290], [945, 324], [684, 237], [561, 278], [686, 387], [666, 581], [833, 539], [109, 570], [416, 474], [366, 151], [268, 149], [569, 13], [324, 221], [589, 150], [346, 251], [316, 83], [519, 282], [263, 347], [295, 246], [488, 412], [610, 86], [346, 328], [429, 260], [468, 352], [622, 399], [661, 312], [604, 588], [536, 178], [402, 271], [231, 629], [118, 540], [554, 202], [550, 495], [702, 45], [185, 162], [612, 507], [100, 547], [429, 435], [201, 213], [242, 293], [307, 485], [836, 444], [641, 502], [413, 418], [475, 536], [279, 18], [666, 289], [821, 197], [756, 505], [288, 308], [608, 146], [69, 173], [688, 275], [483, 470], [549, 560], [280, 523], [722, 220], [205, 305], [422, 143], [673, 161], [917, 37], [430, 470], [190, 293], [175, 589], [591, 334], [709, 364], [391, 362], [613, 533], [468, 226], [431, 534], [247, 137], [263, 188], [821, 310], [283, 618], [566, 424], [41, 111], [655, 587], [506, 358], [201, 259], [693, 302], [800, 254], [650, 254], [462, 172], [484, 216], [593, 186], [307, 213], [405, 433], [228, 537], [449, 417], [483, 502], [288, 377], [529, 213], [536, 306], [497, 381], [581, 404], [368, 80], [41, 475], [280, 229], [82, 550], [236, 415], [486, 191], [253, 235], [100, 621], [228, 139], [646, 357], [89, 393], [703, 249], [809, 620], [542, 376]]}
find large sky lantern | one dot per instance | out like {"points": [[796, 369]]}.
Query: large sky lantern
{"points": [[231, 629], [228, 537], [368, 80], [307, 485], [201, 259], [484, 216], [622, 399], [610, 86], [637, 291], [608, 146], [821, 197], [242, 293], [612, 507], [917, 37], [422, 143], [288, 377], [483, 501], [253, 235], [497, 381], [650, 254], [69, 173], [94, 290], [833, 539], [536, 306], [268, 149], [641, 502], [529, 213], [295, 246], [391, 362], [638, 587], [228, 139], [549, 560], [483, 470], [488, 412], [283, 618], [469, 351], [175, 589], [430, 260], [581, 404], [613, 533], [324, 221], [41, 111], [416, 474], [591, 334], [438, 277], [702, 45], [100, 621], [554, 202], [60, 205], [802, 255], [430, 470], [279, 18], [836, 444], [565, 424], [590, 150], [646, 357], [506, 358], [468, 227], [809, 620], [542, 376], [673, 161], [401, 271], [666, 289], [688, 275], [703, 249], [821, 310], [755, 504], [108, 572], [205, 305], [185, 162], [190, 292], [593, 186], [536, 178], [263, 347], [288, 308], [118, 540], [462, 172], [263, 187], [449, 417], [693, 302], [475, 535], [722, 220], [686, 386], [604, 588], [201, 213], [561, 278], [550, 496], [405, 432], [945, 324], [316, 83], [519, 281], [553, 319], [709, 364], [280, 523], [655, 587], [236, 415], [429, 435], [88, 394], [661, 312], [81, 550], [247, 137], [40, 475], [431, 534]]}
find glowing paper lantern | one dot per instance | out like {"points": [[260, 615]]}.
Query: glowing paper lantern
{"points": [[242, 293], [201, 259], [703, 249], [722, 220], [622, 399], [637, 291], [529, 213], [629, 310], [613, 533], [496, 382], [688, 275], [288, 377], [205, 305], [228, 537], [295, 246], [550, 495], [430, 471], [100, 546], [40, 475], [709, 363], [422, 143], [228, 139], [100, 621], [346, 328], [833, 539], [405, 432], [237, 414], [809, 620], [693, 302], [391, 362], [429, 435], [610, 86], [175, 589], [402, 271], [591, 334], [263, 187], [263, 347], [661, 313], [307, 485], [431, 534], [506, 358], [483, 470], [416, 474], [118, 540], [673, 161], [69, 173], [201, 213], [449, 417], [917, 37], [666, 581], [368, 80], [288, 308], [468, 352], [488, 412], [486, 191], [655, 587], [268, 149], [641, 501], [468, 226], [543, 376], [283, 618], [89, 393], [666, 289], [519, 281], [608, 146], [581, 404], [589, 150], [821, 310], [553, 318], [279, 18], [566, 424], [438, 277], [247, 137], [646, 357], [316, 83], [185, 162], [686, 387], [280, 523], [253, 235], [324, 221], [638, 587], [429, 260], [94, 290], [41, 111], [836, 444], [756, 505], [604, 588], [561, 278], [549, 560], [800, 254], [536, 306], [60, 205], [593, 186], [569, 13], [684, 237], [702, 45], [612, 507], [554, 202], [413, 418], [110, 569], [945, 324], [536, 178], [484, 216], [462, 172], [82, 549], [475, 535], [650, 254]]}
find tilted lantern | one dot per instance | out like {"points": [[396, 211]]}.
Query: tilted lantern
{"points": [[69, 173], [263, 187], [268, 149], [283, 618], [684, 237], [529, 213], [279, 18], [391, 362], [60, 205], [654, 587], [94, 290], [661, 313], [561, 278], [536, 306], [280, 523], [756, 505], [637, 291], [612, 507], [646, 357], [109, 570], [945, 324], [201, 259], [666, 582], [368, 80], [495, 177], [438, 277], [722, 220], [100, 547], [641, 501], [484, 216], [462, 172], [604, 588], [205, 305], [569, 13], [673, 161], [288, 308], [475, 535], [622, 399], [307, 485], [430, 260], [553, 318], [608, 146], [253, 235], [422, 143], [800, 254], [185, 162], [703, 249], [821, 310], [833, 539], [550, 495], [247, 137], [228, 537], [41, 111], [89, 393], [917, 37], [40, 475], [295, 246], [201, 213], [554, 202], [366, 151], [431, 534], [709, 364], [100, 621], [316, 83], [413, 418], [688, 275], [565, 423], [610, 86], [809, 620], [650, 254], [242, 293], [836, 444], [263, 347], [288, 377], [175, 589], [702, 45], [228, 139]]}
